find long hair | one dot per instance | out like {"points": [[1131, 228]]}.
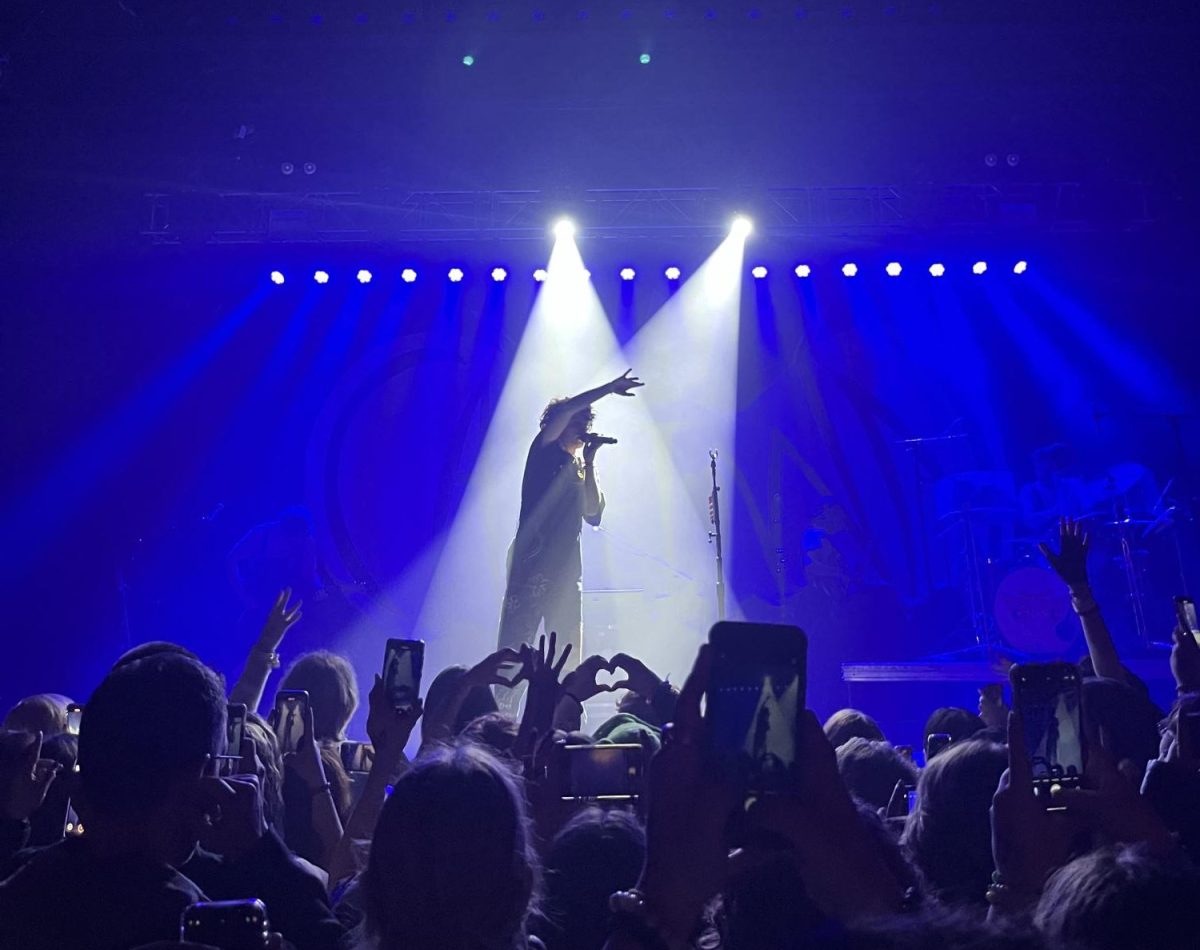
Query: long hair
{"points": [[452, 863], [332, 689]]}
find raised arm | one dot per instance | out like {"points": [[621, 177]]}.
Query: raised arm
{"points": [[1070, 563], [262, 659], [557, 423]]}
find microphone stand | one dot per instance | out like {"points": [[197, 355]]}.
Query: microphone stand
{"points": [[714, 515]]}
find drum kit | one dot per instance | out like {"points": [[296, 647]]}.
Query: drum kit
{"points": [[1017, 605]]}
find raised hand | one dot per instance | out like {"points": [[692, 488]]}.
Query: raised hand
{"points": [[241, 821], [581, 682], [279, 621], [490, 670], [623, 384], [638, 676], [1185, 661], [24, 781], [1070, 561], [539, 667], [389, 728]]}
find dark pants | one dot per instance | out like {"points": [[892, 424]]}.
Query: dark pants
{"points": [[541, 591]]}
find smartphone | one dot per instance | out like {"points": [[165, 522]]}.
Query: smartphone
{"points": [[603, 772], [1049, 698], [1185, 615], [228, 925], [74, 718], [287, 719], [72, 826], [357, 756], [936, 742], [910, 799], [402, 663], [235, 727], [755, 697]]}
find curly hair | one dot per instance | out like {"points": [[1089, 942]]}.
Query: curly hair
{"points": [[554, 404]]}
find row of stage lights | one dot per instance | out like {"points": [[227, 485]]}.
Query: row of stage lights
{"points": [[741, 227], [673, 274]]}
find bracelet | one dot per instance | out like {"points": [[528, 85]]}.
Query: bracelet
{"points": [[321, 789], [1004, 897], [1082, 602], [270, 656]]}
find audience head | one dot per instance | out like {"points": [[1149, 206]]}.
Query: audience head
{"points": [[43, 712], [147, 737], [954, 721], [452, 863], [332, 691], [1125, 717], [1122, 898], [847, 724], [494, 731], [479, 700], [871, 768], [949, 834], [154, 648], [597, 853]]}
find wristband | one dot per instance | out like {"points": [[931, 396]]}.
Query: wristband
{"points": [[270, 656], [1082, 601]]}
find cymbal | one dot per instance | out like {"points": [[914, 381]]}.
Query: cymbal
{"points": [[977, 512], [1121, 479]]}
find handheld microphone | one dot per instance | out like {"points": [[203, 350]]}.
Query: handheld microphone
{"points": [[593, 439]]}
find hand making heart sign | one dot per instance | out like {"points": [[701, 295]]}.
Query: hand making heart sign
{"points": [[597, 675]]}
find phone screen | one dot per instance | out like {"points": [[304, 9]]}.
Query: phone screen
{"points": [[609, 772], [235, 727], [1185, 613], [231, 925], [291, 709], [74, 718], [357, 756], [910, 798], [755, 696], [1049, 699], [937, 742], [402, 663]]}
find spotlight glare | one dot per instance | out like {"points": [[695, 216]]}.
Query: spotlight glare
{"points": [[644, 59], [803, 270], [937, 270], [1020, 267], [564, 228], [364, 276], [468, 60], [321, 277], [499, 274], [849, 270], [276, 277], [759, 272], [628, 273], [893, 269], [672, 273], [540, 274], [979, 267], [741, 226], [455, 275], [408, 275]]}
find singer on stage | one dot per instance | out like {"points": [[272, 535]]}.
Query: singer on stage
{"points": [[558, 493]]}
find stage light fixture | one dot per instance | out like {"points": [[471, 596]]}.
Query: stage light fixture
{"points": [[276, 277], [364, 276], [540, 274], [321, 277], [672, 273], [979, 267], [1020, 267], [849, 270], [310, 168], [644, 59], [287, 168], [894, 269], [455, 275], [803, 270], [937, 270], [759, 272], [468, 60], [741, 226], [499, 274], [564, 228], [628, 273], [408, 275]]}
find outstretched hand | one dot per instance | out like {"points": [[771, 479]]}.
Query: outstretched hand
{"points": [[623, 384], [25, 780], [389, 728], [280, 620], [1070, 560]]}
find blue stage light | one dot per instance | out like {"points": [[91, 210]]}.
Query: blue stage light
{"points": [[364, 276], [498, 274], [628, 273], [321, 277], [1020, 267], [803, 270], [540, 274], [894, 269], [672, 273], [937, 270], [759, 272], [644, 59], [455, 275], [979, 267], [276, 277], [849, 270], [468, 60], [408, 275]]}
